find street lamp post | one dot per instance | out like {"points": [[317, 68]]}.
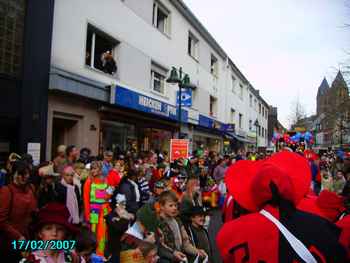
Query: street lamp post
{"points": [[183, 82], [256, 123]]}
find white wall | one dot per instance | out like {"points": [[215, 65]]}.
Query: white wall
{"points": [[241, 105], [140, 43], [130, 22]]}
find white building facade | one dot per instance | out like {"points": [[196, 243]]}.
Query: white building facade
{"points": [[132, 105]]}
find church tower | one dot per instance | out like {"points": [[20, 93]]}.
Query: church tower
{"points": [[321, 97]]}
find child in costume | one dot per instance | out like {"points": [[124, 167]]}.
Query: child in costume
{"points": [[96, 204], [52, 224]]}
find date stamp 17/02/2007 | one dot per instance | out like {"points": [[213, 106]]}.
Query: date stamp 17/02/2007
{"points": [[25, 245]]}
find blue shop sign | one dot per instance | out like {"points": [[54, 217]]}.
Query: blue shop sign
{"points": [[205, 121], [214, 124], [134, 100]]}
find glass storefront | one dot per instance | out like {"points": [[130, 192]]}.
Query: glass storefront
{"points": [[123, 137], [155, 139], [211, 144], [118, 136]]}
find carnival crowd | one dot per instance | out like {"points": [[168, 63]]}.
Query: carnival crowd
{"points": [[140, 207]]}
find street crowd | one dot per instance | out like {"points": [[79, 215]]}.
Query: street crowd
{"points": [[141, 207]]}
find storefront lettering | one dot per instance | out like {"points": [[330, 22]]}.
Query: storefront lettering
{"points": [[171, 110], [150, 103]]}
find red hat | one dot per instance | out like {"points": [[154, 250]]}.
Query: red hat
{"points": [[308, 204], [272, 172], [328, 205], [331, 204], [289, 171], [55, 213], [297, 168], [238, 179]]}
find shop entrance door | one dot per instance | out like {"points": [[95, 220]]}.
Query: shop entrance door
{"points": [[8, 138], [64, 131]]}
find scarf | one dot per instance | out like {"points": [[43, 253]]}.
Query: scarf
{"points": [[71, 203]]}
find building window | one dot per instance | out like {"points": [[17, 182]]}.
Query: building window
{"points": [[12, 16], [233, 83], [255, 104], [214, 66], [240, 120], [241, 91], [262, 131], [266, 114], [100, 51], [161, 18], [259, 130], [250, 100], [259, 108], [193, 46], [233, 116], [212, 106], [158, 82], [250, 125]]}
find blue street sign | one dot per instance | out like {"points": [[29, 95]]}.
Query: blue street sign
{"points": [[186, 98]]}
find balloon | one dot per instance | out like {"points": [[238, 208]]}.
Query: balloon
{"points": [[308, 136]]}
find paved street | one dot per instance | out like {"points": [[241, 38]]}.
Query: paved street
{"points": [[215, 224]]}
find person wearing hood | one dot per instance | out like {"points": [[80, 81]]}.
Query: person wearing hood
{"points": [[268, 227]]}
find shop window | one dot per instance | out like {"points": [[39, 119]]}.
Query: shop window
{"points": [[214, 66], [193, 46], [100, 51], [12, 15], [161, 18], [240, 120], [233, 83], [212, 106], [118, 136]]}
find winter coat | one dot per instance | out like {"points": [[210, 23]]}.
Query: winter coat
{"points": [[127, 188]]}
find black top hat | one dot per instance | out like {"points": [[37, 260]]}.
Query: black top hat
{"points": [[198, 210]]}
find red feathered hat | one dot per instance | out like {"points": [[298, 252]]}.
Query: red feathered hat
{"points": [[297, 168], [328, 205], [289, 171], [238, 180], [272, 172]]}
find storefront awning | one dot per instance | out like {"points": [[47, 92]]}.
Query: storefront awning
{"points": [[239, 138]]}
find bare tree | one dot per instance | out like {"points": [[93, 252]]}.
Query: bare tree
{"points": [[298, 112]]}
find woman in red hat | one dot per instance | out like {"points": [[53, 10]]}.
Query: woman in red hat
{"points": [[268, 227], [52, 224]]}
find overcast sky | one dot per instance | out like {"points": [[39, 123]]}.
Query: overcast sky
{"points": [[283, 47]]}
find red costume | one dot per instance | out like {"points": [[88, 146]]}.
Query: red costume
{"points": [[275, 186]]}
